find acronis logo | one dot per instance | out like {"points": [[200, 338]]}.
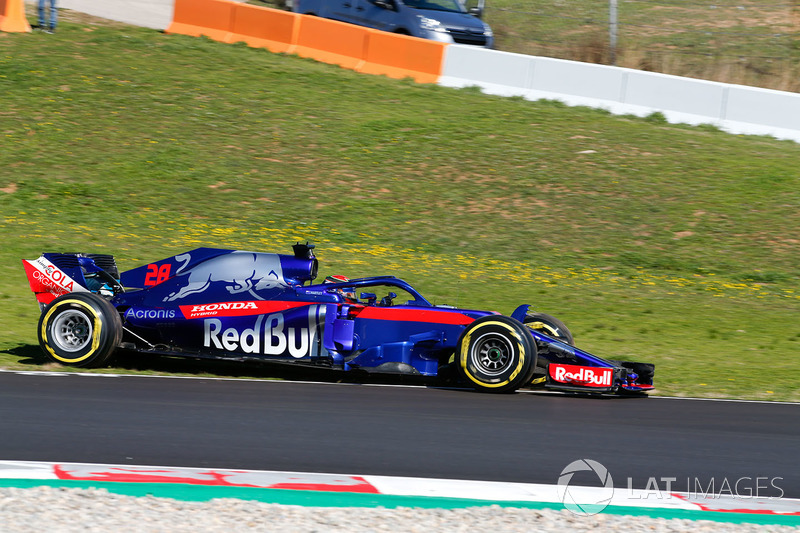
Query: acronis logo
{"points": [[154, 314]]}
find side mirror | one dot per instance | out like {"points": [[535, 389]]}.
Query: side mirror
{"points": [[476, 10], [370, 297], [387, 300]]}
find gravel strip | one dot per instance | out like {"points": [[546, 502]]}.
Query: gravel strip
{"points": [[66, 510]]}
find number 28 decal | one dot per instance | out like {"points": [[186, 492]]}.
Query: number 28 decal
{"points": [[156, 274]]}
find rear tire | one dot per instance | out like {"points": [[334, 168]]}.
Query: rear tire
{"points": [[79, 329], [496, 354]]}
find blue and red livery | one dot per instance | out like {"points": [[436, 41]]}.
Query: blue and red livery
{"points": [[240, 305]]}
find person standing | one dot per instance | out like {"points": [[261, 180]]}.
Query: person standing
{"points": [[43, 24]]}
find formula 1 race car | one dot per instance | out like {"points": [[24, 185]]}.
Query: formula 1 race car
{"points": [[238, 305]]}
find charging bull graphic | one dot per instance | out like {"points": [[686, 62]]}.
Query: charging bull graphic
{"points": [[242, 271]]}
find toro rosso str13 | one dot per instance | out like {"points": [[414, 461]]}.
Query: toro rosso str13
{"points": [[231, 304]]}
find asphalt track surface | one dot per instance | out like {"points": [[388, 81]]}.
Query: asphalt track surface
{"points": [[389, 431], [403, 431]]}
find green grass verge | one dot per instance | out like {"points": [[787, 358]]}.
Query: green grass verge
{"points": [[668, 244]]}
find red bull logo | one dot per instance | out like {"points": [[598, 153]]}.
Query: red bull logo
{"points": [[585, 376], [240, 272], [270, 335]]}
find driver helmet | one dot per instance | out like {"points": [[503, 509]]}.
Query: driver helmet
{"points": [[338, 278]]}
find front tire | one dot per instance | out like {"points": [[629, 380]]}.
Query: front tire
{"points": [[79, 329], [496, 354], [550, 326]]}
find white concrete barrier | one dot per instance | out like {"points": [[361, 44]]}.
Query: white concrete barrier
{"points": [[577, 79], [502, 73], [733, 108], [747, 104], [684, 99]]}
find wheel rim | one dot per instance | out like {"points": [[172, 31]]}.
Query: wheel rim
{"points": [[71, 331], [492, 353]]}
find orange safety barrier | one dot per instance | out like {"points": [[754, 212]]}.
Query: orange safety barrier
{"points": [[402, 56], [12, 16], [212, 18], [262, 27], [354, 47], [331, 41]]}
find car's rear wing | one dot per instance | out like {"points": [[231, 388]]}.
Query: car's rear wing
{"points": [[54, 274]]}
